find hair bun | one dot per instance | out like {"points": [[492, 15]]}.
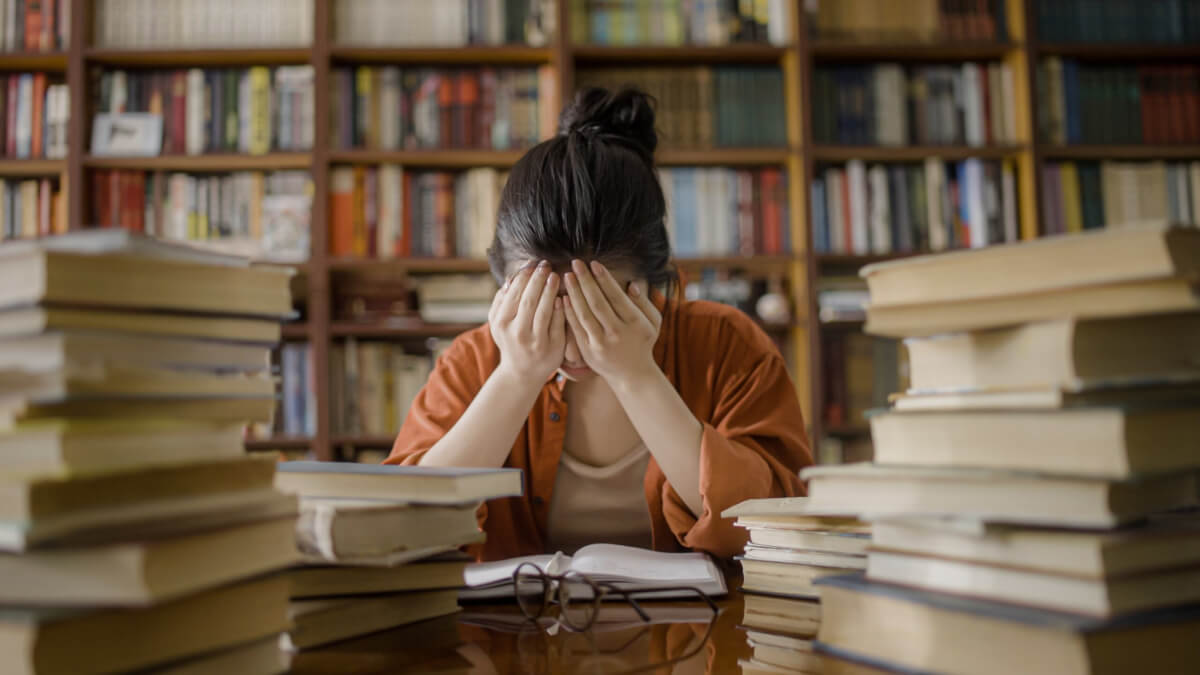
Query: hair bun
{"points": [[626, 114]]}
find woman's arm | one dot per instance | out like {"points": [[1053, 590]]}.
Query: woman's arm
{"points": [[527, 326]]}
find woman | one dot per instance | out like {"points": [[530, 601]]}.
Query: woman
{"points": [[637, 418]]}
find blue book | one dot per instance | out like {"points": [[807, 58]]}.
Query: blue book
{"points": [[819, 220], [409, 484]]}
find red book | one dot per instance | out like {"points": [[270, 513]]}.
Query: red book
{"points": [[444, 216], [1147, 80], [10, 145], [49, 25], [1191, 100], [468, 98], [371, 211], [39, 107], [847, 226], [445, 97], [341, 216], [744, 184], [987, 22], [99, 198], [487, 107], [114, 198], [138, 206], [1177, 105], [404, 243], [358, 222], [33, 25], [772, 215], [178, 135]]}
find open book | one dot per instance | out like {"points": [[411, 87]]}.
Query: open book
{"points": [[629, 567]]}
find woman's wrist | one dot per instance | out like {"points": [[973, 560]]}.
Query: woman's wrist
{"points": [[515, 381]]}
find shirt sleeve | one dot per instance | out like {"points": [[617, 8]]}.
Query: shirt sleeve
{"points": [[753, 446]]}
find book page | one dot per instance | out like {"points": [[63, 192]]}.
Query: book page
{"points": [[609, 561], [483, 574]]}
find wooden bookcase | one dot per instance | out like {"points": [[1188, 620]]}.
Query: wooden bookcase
{"points": [[797, 61]]}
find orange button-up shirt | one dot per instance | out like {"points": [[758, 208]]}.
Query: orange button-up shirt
{"points": [[728, 372]]}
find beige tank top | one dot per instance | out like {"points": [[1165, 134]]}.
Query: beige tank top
{"points": [[599, 504]]}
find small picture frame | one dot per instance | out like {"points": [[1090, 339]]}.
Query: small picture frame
{"points": [[127, 135]]}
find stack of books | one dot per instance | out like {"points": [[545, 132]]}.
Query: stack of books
{"points": [[791, 545], [1034, 504], [135, 532], [380, 544]]}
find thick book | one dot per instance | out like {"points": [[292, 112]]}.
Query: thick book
{"points": [[1167, 541], [357, 531], [321, 621], [126, 380], [440, 572], [859, 620], [780, 554], [1068, 353], [1105, 442], [139, 573], [1143, 394], [796, 616], [216, 411], [793, 513], [141, 502], [259, 657], [24, 321], [64, 447], [136, 278], [1100, 597], [412, 484], [852, 543], [73, 641], [789, 578], [998, 496], [66, 350], [628, 567]]}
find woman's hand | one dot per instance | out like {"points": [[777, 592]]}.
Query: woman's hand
{"points": [[526, 321], [614, 328]]}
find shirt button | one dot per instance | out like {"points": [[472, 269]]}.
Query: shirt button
{"points": [[554, 417]]}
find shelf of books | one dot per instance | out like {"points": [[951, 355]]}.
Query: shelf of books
{"points": [[795, 147]]}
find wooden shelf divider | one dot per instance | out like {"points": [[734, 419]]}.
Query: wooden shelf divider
{"points": [[161, 58], [12, 168], [838, 50], [910, 153], [52, 62], [691, 54], [1103, 152], [212, 162], [433, 159], [722, 157], [511, 55]]}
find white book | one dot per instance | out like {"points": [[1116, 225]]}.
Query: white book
{"points": [[626, 566], [10, 24], [24, 116], [194, 138], [1186, 214], [880, 211], [976, 209], [389, 108], [1008, 202], [856, 173], [972, 94], [833, 201], [779, 22], [935, 179], [1007, 107]]}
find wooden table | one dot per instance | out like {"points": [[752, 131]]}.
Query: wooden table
{"points": [[494, 639]]}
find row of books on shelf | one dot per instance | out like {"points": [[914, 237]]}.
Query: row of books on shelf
{"points": [[35, 25], [265, 215], [1079, 196], [1155, 21], [372, 386], [297, 412], [680, 22], [247, 110], [718, 211], [389, 108], [35, 114], [914, 207], [859, 373], [888, 104], [704, 107], [446, 23], [32, 208], [919, 20], [174, 24], [1086, 103], [385, 212]]}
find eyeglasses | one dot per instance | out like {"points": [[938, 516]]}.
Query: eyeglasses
{"points": [[579, 596]]}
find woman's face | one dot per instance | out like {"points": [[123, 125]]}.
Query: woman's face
{"points": [[573, 367]]}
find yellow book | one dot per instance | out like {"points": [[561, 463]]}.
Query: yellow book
{"points": [[260, 110], [1072, 209]]}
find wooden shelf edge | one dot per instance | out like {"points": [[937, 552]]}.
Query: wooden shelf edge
{"points": [[47, 61], [469, 54], [723, 157], [736, 261], [1102, 152], [199, 57], [912, 153], [213, 162], [363, 441], [410, 264], [847, 259], [1118, 51], [449, 158], [31, 167], [384, 330], [732, 53], [833, 50]]}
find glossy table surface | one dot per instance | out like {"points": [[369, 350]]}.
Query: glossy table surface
{"points": [[496, 639]]}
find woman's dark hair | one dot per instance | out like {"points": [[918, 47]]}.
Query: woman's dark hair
{"points": [[591, 192]]}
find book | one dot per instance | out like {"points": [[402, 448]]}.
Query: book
{"points": [[142, 573], [159, 500], [1094, 194], [1165, 542], [997, 496], [66, 349], [859, 617], [1072, 354], [788, 578], [260, 657], [24, 321], [811, 558], [1117, 442], [340, 530], [97, 640], [831, 542], [630, 568], [39, 273], [1135, 254], [420, 484], [76, 446], [314, 581], [123, 380], [1100, 597], [199, 24], [798, 617], [321, 621], [1149, 393], [218, 411]]}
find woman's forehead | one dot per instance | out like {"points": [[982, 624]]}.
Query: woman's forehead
{"points": [[620, 272]]}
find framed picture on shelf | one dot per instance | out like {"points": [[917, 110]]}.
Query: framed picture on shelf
{"points": [[127, 135]]}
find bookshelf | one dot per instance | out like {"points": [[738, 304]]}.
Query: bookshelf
{"points": [[803, 269]]}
